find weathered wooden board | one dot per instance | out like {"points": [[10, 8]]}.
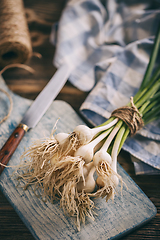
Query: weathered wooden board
{"points": [[129, 210]]}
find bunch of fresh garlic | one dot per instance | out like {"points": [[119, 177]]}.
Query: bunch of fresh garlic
{"points": [[65, 165]]}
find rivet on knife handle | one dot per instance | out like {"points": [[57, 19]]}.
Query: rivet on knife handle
{"points": [[11, 145]]}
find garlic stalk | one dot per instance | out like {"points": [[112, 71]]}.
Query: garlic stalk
{"points": [[87, 151], [108, 179], [116, 147], [86, 134], [102, 154]]}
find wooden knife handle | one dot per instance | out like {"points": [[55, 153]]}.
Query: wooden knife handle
{"points": [[10, 146]]}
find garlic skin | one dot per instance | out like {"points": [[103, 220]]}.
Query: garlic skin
{"points": [[100, 182], [87, 168], [84, 134], [85, 152], [89, 184], [61, 137], [54, 159], [100, 156], [115, 180]]}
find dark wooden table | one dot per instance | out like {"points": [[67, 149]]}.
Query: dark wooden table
{"points": [[41, 15]]}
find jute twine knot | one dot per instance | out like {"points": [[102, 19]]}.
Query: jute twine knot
{"points": [[131, 116], [15, 43]]}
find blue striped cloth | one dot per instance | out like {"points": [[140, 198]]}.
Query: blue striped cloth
{"points": [[108, 44]]}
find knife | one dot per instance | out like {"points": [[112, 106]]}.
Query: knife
{"points": [[34, 113]]}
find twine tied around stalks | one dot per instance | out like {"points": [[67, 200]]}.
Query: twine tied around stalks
{"points": [[131, 116], [15, 43]]}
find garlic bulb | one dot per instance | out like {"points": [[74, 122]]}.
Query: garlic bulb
{"points": [[86, 134], [61, 137], [100, 156], [87, 185], [87, 151]]}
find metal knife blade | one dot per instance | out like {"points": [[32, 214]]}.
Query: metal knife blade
{"points": [[46, 96], [34, 113]]}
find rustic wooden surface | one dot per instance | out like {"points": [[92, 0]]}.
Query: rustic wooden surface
{"points": [[41, 15]]}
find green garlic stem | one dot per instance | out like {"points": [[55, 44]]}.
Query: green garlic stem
{"points": [[152, 60], [111, 136], [143, 108], [152, 114], [116, 147], [153, 79], [148, 94], [102, 128], [144, 100], [153, 118], [147, 108], [124, 137], [98, 139], [107, 122], [155, 97]]}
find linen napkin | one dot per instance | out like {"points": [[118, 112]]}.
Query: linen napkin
{"points": [[108, 44]]}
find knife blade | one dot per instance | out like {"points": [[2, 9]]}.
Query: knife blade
{"points": [[34, 113]]}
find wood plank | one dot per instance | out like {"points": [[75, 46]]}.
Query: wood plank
{"points": [[28, 85]]}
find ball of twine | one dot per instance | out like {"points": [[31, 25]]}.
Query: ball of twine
{"points": [[15, 43], [131, 116]]}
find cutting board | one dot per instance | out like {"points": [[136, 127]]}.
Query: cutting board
{"points": [[130, 209]]}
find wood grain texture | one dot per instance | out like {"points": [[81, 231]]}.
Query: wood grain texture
{"points": [[28, 85]]}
